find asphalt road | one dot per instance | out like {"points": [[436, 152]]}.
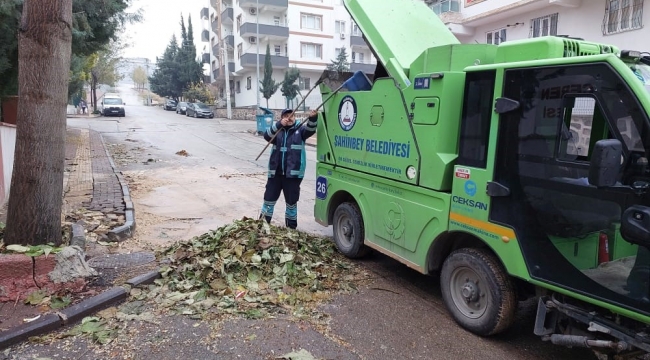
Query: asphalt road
{"points": [[399, 316]]}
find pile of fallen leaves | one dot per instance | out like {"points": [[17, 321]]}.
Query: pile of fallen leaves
{"points": [[249, 267]]}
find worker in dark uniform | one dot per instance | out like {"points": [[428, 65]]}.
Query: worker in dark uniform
{"points": [[287, 164]]}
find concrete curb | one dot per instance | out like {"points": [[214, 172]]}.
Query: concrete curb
{"points": [[74, 313], [125, 231], [92, 116]]}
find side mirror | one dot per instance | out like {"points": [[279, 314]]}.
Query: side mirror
{"points": [[605, 163], [635, 225]]}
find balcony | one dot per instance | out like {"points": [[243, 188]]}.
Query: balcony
{"points": [[230, 40], [216, 49], [270, 5], [205, 36], [358, 41], [215, 25], [366, 67], [277, 61], [213, 3], [270, 31], [205, 58], [227, 16], [221, 71], [205, 13]]}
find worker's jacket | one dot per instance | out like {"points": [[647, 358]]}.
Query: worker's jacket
{"points": [[288, 151]]}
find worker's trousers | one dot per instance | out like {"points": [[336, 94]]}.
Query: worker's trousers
{"points": [[290, 187]]}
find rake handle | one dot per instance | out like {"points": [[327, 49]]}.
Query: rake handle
{"points": [[296, 109]]}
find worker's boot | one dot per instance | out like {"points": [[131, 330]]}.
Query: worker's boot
{"points": [[291, 216], [267, 211]]}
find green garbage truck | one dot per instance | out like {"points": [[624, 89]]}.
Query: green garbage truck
{"points": [[511, 171]]}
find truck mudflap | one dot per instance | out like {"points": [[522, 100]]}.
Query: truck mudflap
{"points": [[550, 311]]}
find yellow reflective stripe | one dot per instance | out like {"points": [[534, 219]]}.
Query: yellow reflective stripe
{"points": [[486, 226]]}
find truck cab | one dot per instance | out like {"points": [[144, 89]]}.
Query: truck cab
{"points": [[510, 171]]}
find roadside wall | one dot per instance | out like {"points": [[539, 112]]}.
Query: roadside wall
{"points": [[246, 113], [7, 148]]}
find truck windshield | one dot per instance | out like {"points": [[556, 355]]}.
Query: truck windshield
{"points": [[112, 101], [642, 72]]}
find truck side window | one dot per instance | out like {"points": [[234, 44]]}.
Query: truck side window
{"points": [[475, 121], [583, 125]]}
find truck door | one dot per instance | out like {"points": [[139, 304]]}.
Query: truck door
{"points": [[567, 228]]}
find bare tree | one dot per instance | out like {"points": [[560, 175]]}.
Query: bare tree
{"points": [[44, 51]]}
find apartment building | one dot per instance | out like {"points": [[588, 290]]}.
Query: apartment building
{"points": [[307, 34], [617, 22]]}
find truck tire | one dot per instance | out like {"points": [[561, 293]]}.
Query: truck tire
{"points": [[349, 231], [478, 292]]}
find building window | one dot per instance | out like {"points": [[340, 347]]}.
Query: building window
{"points": [[337, 51], [304, 83], [622, 15], [496, 37], [278, 50], [339, 27], [361, 58], [238, 21], [238, 87], [276, 20], [544, 26], [355, 30], [249, 82], [311, 21], [239, 50], [311, 51], [443, 6]]}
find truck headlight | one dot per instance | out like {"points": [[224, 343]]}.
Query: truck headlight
{"points": [[411, 172]]}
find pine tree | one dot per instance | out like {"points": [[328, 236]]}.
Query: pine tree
{"points": [[165, 81], [190, 69], [268, 84], [341, 63], [289, 88]]}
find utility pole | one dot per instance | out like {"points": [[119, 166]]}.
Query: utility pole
{"points": [[147, 81], [257, 58], [226, 72]]}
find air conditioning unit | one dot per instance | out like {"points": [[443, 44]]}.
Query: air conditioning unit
{"points": [[253, 11], [342, 35], [252, 39]]}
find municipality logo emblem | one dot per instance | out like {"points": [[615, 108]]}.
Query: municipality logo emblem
{"points": [[347, 113]]}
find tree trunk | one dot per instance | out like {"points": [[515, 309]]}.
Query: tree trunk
{"points": [[44, 51], [94, 89]]}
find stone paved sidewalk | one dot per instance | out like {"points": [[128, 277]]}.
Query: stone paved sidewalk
{"points": [[95, 194]]}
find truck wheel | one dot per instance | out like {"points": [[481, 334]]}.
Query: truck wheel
{"points": [[477, 291], [349, 231]]}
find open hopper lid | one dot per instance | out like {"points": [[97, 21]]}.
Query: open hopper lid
{"points": [[399, 31]]}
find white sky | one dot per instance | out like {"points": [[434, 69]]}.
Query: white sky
{"points": [[162, 18]]}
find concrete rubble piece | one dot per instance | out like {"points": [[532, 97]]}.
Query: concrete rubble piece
{"points": [[71, 265]]}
